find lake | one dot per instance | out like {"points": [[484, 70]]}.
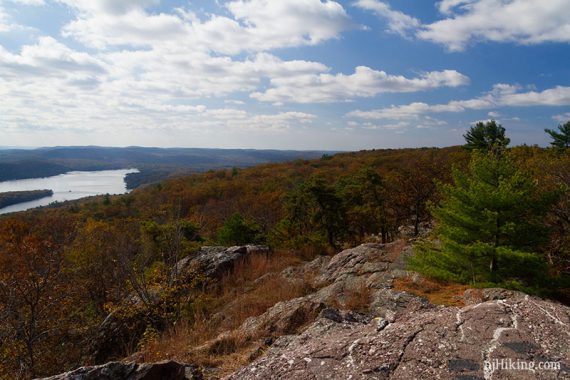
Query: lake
{"points": [[68, 186]]}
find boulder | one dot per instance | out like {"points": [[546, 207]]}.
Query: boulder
{"points": [[213, 262], [166, 370]]}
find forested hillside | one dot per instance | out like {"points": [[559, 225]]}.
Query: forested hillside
{"points": [[63, 270], [154, 164]]}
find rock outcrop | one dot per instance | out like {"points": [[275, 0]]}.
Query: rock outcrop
{"points": [[119, 332], [213, 262], [438, 343], [361, 275], [353, 324], [402, 336], [167, 370]]}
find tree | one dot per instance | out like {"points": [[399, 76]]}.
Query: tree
{"points": [[366, 201], [92, 261], [486, 137], [238, 230], [168, 243], [489, 226], [32, 296], [560, 140], [314, 215], [415, 181]]}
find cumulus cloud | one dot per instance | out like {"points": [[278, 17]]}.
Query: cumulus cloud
{"points": [[50, 86], [365, 82], [501, 96], [47, 58], [398, 22], [255, 25], [525, 22], [291, 23]]}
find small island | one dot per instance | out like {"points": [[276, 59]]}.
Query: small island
{"points": [[14, 197]]}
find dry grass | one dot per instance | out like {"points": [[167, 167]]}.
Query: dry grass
{"points": [[267, 293], [254, 266], [396, 248], [358, 298], [437, 292], [253, 286]]}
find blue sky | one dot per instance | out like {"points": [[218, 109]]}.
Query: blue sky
{"points": [[287, 74]]}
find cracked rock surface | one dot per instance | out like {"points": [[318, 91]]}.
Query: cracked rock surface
{"points": [[166, 370], [432, 343], [369, 267]]}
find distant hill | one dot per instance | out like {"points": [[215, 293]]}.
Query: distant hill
{"points": [[154, 163]]}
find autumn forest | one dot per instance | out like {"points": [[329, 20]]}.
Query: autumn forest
{"points": [[65, 269]]}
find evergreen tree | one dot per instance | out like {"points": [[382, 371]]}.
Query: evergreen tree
{"points": [[560, 140], [489, 226], [365, 197], [314, 215], [238, 230], [488, 136]]}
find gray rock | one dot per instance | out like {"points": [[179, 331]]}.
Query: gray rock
{"points": [[341, 316], [166, 370], [435, 343], [215, 261], [475, 296], [368, 269], [117, 332]]}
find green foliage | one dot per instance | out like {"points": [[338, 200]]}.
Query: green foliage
{"points": [[486, 137], [314, 213], [560, 140], [365, 197], [170, 239], [239, 230], [490, 225]]}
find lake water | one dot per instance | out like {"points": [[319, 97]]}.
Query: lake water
{"points": [[68, 186]]}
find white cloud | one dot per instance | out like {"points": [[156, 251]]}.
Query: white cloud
{"points": [[255, 25], [396, 126], [557, 96], [107, 6], [198, 74], [562, 118], [4, 23], [135, 28], [501, 96], [398, 22], [47, 58], [521, 21], [365, 82], [29, 2], [448, 6], [49, 86], [292, 22]]}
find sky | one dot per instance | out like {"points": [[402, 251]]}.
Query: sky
{"points": [[280, 74]]}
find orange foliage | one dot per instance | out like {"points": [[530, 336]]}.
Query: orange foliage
{"points": [[437, 292]]}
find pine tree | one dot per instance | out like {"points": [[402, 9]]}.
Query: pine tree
{"points": [[314, 215], [365, 198], [560, 140], [486, 137], [489, 226], [239, 230]]}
